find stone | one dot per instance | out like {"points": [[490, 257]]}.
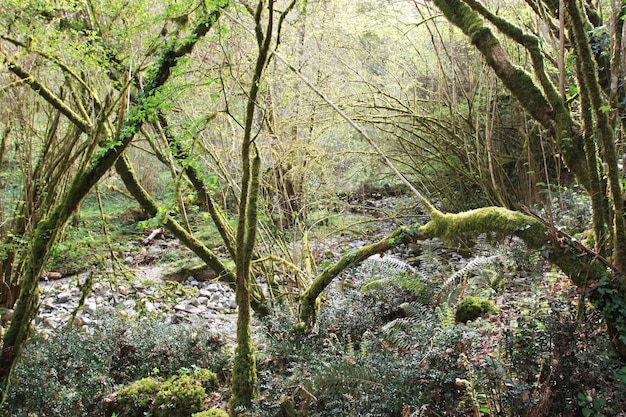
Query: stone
{"points": [[204, 292], [63, 297], [90, 307]]}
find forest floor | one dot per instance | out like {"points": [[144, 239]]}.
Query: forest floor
{"points": [[387, 340]]}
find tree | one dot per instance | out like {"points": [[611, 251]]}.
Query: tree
{"points": [[106, 147], [589, 150]]}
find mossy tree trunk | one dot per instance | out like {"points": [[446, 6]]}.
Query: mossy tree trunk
{"points": [[244, 376], [47, 230], [587, 270], [244, 368]]}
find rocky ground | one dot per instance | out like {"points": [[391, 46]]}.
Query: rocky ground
{"points": [[207, 303], [137, 289], [144, 286]]}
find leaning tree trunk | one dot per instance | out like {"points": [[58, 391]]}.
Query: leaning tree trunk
{"points": [[587, 270], [47, 231]]}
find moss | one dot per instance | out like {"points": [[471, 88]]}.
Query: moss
{"points": [[135, 399], [299, 327], [206, 378], [180, 396], [473, 307], [213, 412], [484, 220]]}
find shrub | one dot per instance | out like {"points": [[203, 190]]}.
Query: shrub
{"points": [[179, 396], [134, 399], [71, 372], [473, 307], [206, 378]]}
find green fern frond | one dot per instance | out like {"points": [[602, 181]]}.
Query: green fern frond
{"points": [[473, 265], [446, 313], [388, 263], [414, 329], [380, 271], [347, 374]]}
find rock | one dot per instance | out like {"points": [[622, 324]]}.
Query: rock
{"points": [[193, 301], [51, 323], [204, 292], [232, 304], [63, 297], [90, 307], [129, 304], [203, 300], [129, 260], [150, 307], [54, 275]]}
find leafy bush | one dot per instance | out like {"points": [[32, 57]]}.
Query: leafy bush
{"points": [[74, 370]]}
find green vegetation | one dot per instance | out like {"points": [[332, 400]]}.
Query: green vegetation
{"points": [[472, 308], [369, 178], [74, 372]]}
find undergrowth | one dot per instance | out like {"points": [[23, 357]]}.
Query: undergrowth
{"points": [[72, 372], [386, 343]]}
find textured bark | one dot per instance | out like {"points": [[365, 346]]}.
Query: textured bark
{"points": [[543, 105], [602, 128], [244, 368]]}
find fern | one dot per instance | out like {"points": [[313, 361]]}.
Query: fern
{"points": [[472, 265], [380, 271], [446, 315], [415, 329]]}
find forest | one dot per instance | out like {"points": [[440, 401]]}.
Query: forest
{"points": [[296, 208]]}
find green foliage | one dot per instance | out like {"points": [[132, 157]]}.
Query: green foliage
{"points": [[206, 378], [179, 396], [132, 400], [472, 308], [353, 365], [71, 372], [213, 412]]}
